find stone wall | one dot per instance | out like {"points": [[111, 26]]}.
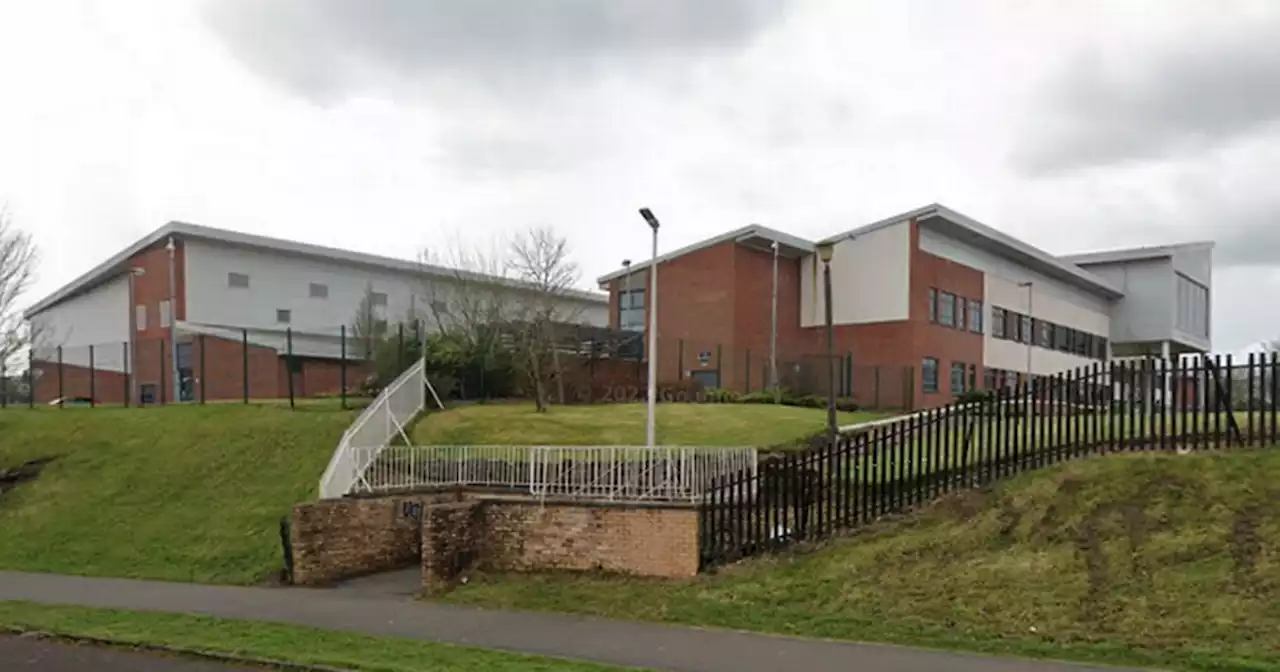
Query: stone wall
{"points": [[342, 538]]}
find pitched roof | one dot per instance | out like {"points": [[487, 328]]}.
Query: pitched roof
{"points": [[183, 230], [756, 233], [1136, 253]]}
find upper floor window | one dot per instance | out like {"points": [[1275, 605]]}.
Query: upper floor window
{"points": [[975, 316], [998, 322], [933, 305], [957, 378], [947, 309], [631, 310], [1044, 334], [237, 280], [284, 316], [377, 299], [318, 291], [140, 317], [962, 306], [1024, 329], [1193, 307]]}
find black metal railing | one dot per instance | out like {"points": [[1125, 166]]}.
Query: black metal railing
{"points": [[1189, 404]]}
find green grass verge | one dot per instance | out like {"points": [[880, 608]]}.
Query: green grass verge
{"points": [[281, 643], [624, 424], [1170, 561], [184, 493]]}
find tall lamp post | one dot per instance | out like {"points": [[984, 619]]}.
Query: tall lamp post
{"points": [[652, 303], [825, 252], [1031, 340], [773, 332], [626, 291]]}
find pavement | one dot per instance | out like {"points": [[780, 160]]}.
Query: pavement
{"points": [[25, 654], [382, 610]]}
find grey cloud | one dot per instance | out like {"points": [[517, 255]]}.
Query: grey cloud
{"points": [[1211, 87], [331, 48]]}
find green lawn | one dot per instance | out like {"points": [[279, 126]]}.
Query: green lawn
{"points": [[624, 424], [280, 643], [186, 493], [1169, 561]]}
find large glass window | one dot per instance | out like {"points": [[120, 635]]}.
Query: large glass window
{"points": [[947, 309], [998, 322], [631, 310], [1024, 329], [975, 316], [957, 378], [933, 305], [1193, 307]]}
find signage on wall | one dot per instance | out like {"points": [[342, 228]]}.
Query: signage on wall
{"points": [[704, 357]]}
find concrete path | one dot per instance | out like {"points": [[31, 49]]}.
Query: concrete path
{"points": [[383, 613], [22, 654]]}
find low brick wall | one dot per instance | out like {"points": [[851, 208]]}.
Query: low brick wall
{"points": [[635, 539], [337, 539]]}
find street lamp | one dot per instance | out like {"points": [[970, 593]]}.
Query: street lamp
{"points": [[626, 291], [825, 252], [652, 303], [773, 332], [1031, 339]]}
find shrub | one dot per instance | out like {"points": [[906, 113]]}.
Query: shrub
{"points": [[720, 395]]}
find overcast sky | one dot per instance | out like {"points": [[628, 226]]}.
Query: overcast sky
{"points": [[385, 126]]}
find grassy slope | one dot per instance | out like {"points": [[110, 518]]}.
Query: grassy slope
{"points": [[1157, 560], [273, 641], [181, 492], [624, 424]]}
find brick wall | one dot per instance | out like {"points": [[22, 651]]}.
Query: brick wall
{"points": [[455, 536], [649, 541], [343, 538], [107, 387]]}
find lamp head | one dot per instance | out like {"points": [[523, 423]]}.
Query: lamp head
{"points": [[649, 218], [626, 263]]}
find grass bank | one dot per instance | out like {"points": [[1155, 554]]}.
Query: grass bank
{"points": [[1169, 561], [280, 643], [624, 424], [185, 493]]}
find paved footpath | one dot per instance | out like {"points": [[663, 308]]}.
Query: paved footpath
{"points": [[20, 654], [644, 645]]}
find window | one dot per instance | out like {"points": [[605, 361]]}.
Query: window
{"points": [[929, 375], [283, 316], [1044, 334], [377, 299], [961, 306], [439, 307], [957, 378], [1011, 325], [147, 393], [975, 317], [379, 326], [1193, 307], [998, 322], [1060, 339], [631, 310], [989, 379], [184, 356], [140, 317], [1102, 351], [947, 309], [933, 305], [164, 313], [1024, 330], [973, 376], [319, 291], [239, 280], [1083, 344]]}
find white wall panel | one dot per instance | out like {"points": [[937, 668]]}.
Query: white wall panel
{"points": [[870, 279]]}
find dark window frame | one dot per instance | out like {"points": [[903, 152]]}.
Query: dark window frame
{"points": [[925, 365], [945, 298], [975, 316], [998, 323], [957, 378]]}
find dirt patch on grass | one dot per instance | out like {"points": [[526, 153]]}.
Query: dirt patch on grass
{"points": [[27, 471]]}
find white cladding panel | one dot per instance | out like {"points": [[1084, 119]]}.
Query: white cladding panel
{"points": [[870, 279], [99, 317], [283, 282]]}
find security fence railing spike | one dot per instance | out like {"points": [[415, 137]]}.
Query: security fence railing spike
{"points": [[878, 469]]}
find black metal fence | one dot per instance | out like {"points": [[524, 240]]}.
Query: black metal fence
{"points": [[1191, 404]]}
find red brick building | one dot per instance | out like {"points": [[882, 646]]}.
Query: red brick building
{"points": [[928, 304]]}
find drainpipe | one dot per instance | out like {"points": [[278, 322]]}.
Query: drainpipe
{"points": [[173, 322]]}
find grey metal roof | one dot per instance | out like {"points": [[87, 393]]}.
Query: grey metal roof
{"points": [[116, 264], [1135, 253], [755, 235], [980, 235]]}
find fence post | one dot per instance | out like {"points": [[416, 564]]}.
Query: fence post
{"points": [[163, 384], [342, 366], [124, 350], [244, 362], [719, 367], [288, 363], [60, 392], [93, 392], [31, 378], [4, 385], [848, 375], [679, 361], [203, 379], [399, 348]]}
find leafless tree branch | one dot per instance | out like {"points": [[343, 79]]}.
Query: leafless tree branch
{"points": [[17, 271]]}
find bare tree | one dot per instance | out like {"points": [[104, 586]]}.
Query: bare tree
{"points": [[17, 271], [467, 292], [540, 261]]}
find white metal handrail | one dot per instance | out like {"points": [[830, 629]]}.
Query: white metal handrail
{"points": [[376, 426], [664, 473]]}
